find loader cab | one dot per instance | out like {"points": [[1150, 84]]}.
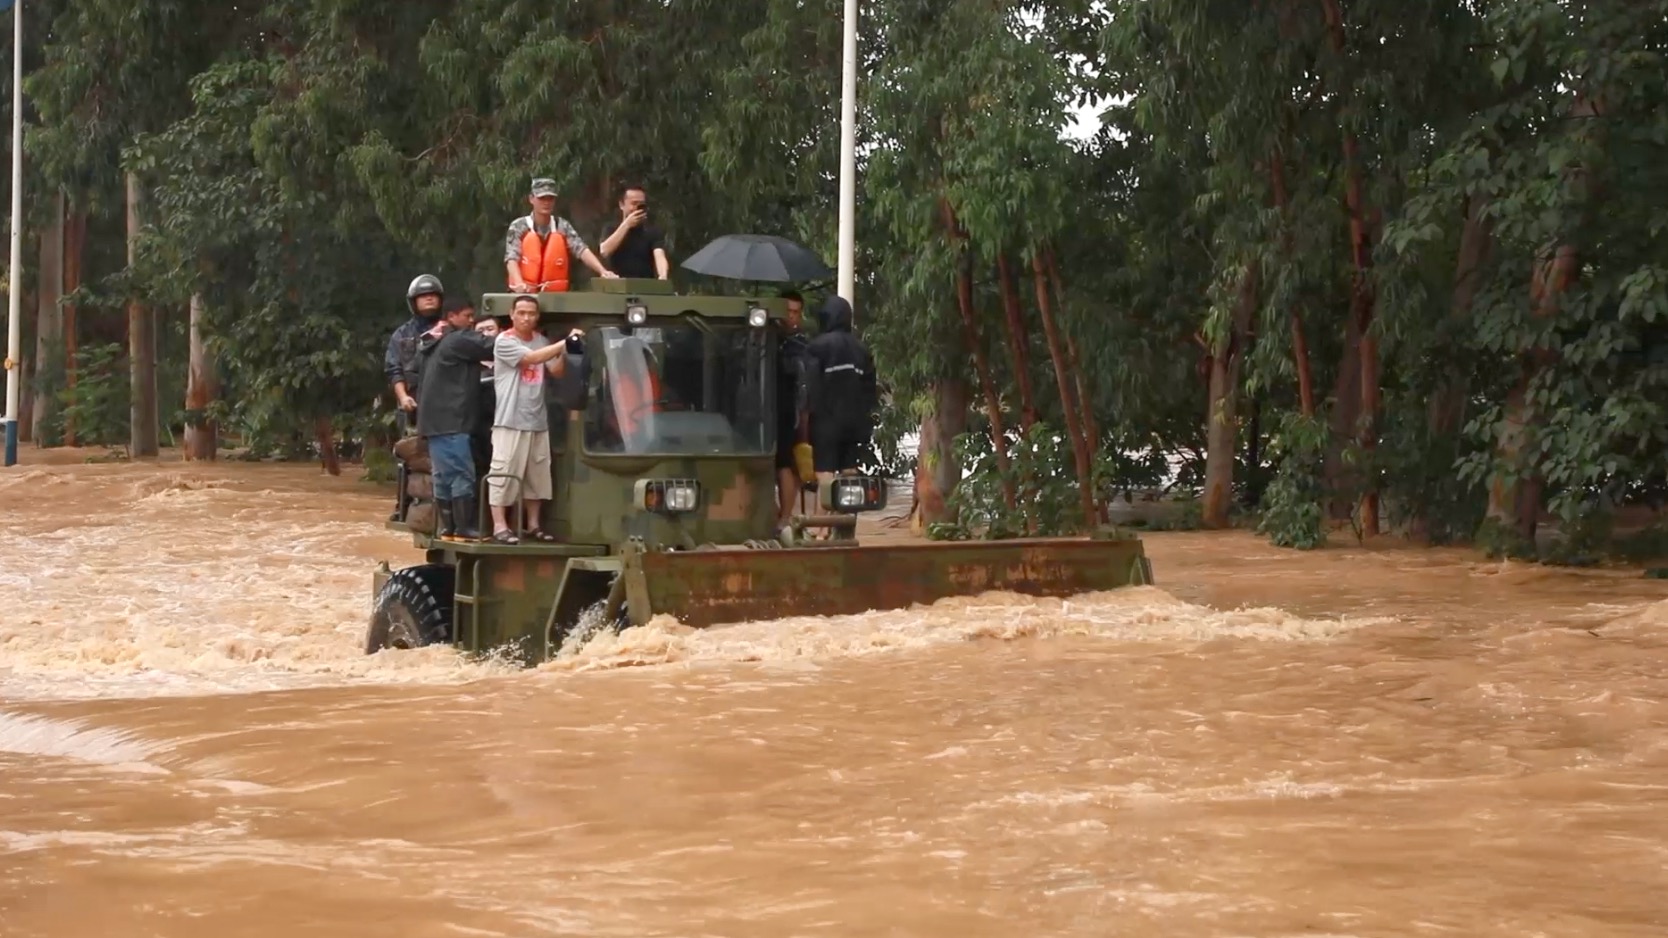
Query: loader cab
{"points": [[663, 428], [683, 386]]}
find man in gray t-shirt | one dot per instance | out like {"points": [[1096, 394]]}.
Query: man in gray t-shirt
{"points": [[522, 358]]}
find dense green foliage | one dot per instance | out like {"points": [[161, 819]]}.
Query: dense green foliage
{"points": [[1401, 264]]}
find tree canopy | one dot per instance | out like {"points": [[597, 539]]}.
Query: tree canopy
{"points": [[1396, 263]]}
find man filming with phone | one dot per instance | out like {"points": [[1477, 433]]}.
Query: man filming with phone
{"points": [[636, 248]]}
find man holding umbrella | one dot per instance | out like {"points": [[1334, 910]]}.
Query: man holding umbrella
{"points": [[836, 387]]}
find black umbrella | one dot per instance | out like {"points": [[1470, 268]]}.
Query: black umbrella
{"points": [[758, 257]]}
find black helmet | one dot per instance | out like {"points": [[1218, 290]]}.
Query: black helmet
{"points": [[427, 283]]}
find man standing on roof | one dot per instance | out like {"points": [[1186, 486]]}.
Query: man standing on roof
{"points": [[838, 391], [539, 248], [399, 362], [636, 248]]}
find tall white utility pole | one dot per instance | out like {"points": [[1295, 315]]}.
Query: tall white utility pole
{"points": [[14, 286], [848, 158]]}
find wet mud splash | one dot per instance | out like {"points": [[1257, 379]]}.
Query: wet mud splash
{"points": [[171, 579], [145, 580]]}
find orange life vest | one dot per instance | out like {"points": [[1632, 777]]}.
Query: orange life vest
{"points": [[544, 261]]}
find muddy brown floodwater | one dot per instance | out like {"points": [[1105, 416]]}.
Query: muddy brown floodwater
{"points": [[1393, 741]]}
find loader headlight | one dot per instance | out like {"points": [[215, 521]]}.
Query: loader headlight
{"points": [[852, 494], [756, 317], [637, 314], [668, 496]]}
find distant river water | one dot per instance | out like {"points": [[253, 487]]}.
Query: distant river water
{"points": [[1390, 741]]}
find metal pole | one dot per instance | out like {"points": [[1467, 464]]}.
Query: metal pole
{"points": [[14, 285], [848, 157]]}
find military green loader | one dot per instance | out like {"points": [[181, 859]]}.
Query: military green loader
{"points": [[663, 453]]}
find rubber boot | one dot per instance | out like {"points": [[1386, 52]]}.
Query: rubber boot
{"points": [[443, 512], [463, 512]]}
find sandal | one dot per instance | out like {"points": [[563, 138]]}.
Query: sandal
{"points": [[537, 534], [505, 537]]}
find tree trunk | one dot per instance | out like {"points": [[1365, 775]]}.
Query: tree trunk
{"points": [[993, 403], [1019, 357], [1517, 503], [1305, 375], [26, 371], [937, 471], [141, 344], [1346, 396], [75, 243], [1445, 412], [1219, 443], [1504, 491], [201, 388], [325, 436], [27, 367], [1362, 296], [1018, 344], [1085, 399], [1255, 483], [1371, 399], [1222, 429], [970, 331], [1068, 394], [49, 323]]}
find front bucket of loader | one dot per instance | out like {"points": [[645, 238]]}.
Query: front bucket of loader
{"points": [[711, 587]]}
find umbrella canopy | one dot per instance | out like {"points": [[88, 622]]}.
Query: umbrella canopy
{"points": [[758, 257]]}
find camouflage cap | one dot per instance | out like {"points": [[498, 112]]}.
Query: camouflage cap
{"points": [[543, 187]]}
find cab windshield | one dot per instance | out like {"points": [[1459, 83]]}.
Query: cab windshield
{"points": [[683, 389]]}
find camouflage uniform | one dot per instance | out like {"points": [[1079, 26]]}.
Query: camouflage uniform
{"points": [[519, 228]]}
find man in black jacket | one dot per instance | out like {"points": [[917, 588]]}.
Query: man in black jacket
{"points": [[839, 391], [451, 356], [790, 431], [399, 362]]}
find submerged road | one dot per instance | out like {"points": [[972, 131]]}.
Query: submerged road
{"points": [[1349, 742]]}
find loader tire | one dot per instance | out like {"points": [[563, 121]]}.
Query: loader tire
{"points": [[414, 609]]}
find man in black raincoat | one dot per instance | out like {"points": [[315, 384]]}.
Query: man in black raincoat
{"points": [[839, 392]]}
